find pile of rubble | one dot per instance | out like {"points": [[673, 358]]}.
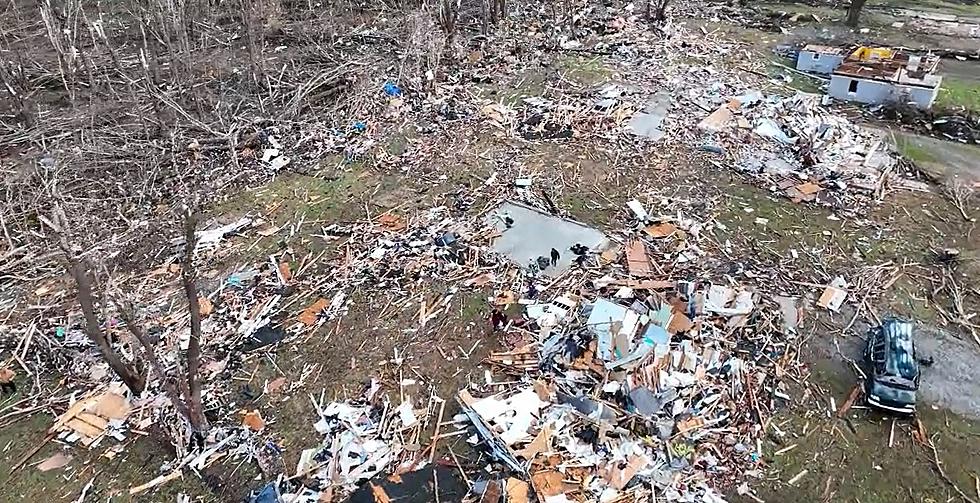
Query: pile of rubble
{"points": [[639, 369], [801, 150], [791, 142], [632, 376], [638, 384]]}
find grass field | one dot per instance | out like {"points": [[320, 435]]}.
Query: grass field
{"points": [[958, 93]]}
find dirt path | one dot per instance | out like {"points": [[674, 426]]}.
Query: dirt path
{"points": [[944, 159], [953, 381]]}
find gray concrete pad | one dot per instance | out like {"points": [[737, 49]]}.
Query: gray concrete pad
{"points": [[534, 233], [647, 123]]}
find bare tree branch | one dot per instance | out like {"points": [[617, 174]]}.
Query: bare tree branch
{"points": [[133, 378], [961, 196], [178, 398]]}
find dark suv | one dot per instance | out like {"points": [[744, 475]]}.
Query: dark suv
{"points": [[894, 372]]}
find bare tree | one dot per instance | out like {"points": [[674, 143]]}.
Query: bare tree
{"points": [[62, 31], [153, 61], [17, 85], [448, 18], [78, 270], [184, 391], [188, 278], [498, 10], [854, 12], [657, 10], [253, 40]]}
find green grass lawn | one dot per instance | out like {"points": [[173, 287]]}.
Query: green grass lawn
{"points": [[913, 151], [956, 93]]}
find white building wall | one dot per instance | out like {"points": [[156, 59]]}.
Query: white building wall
{"points": [[808, 61], [873, 91], [923, 98], [868, 91]]}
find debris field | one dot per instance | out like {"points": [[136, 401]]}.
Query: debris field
{"points": [[644, 359]]}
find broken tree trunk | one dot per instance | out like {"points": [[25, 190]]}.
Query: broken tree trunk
{"points": [[854, 12], [188, 277]]}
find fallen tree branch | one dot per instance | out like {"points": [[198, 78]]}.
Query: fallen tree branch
{"points": [[162, 479], [960, 195], [942, 473]]}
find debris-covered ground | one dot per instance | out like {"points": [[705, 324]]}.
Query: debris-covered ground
{"points": [[581, 256]]}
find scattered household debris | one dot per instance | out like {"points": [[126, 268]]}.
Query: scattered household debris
{"points": [[647, 123], [627, 371], [419, 486], [211, 238], [645, 363], [833, 296], [94, 416]]}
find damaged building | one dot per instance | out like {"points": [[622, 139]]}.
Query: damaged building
{"points": [[820, 59], [885, 75], [875, 75]]}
